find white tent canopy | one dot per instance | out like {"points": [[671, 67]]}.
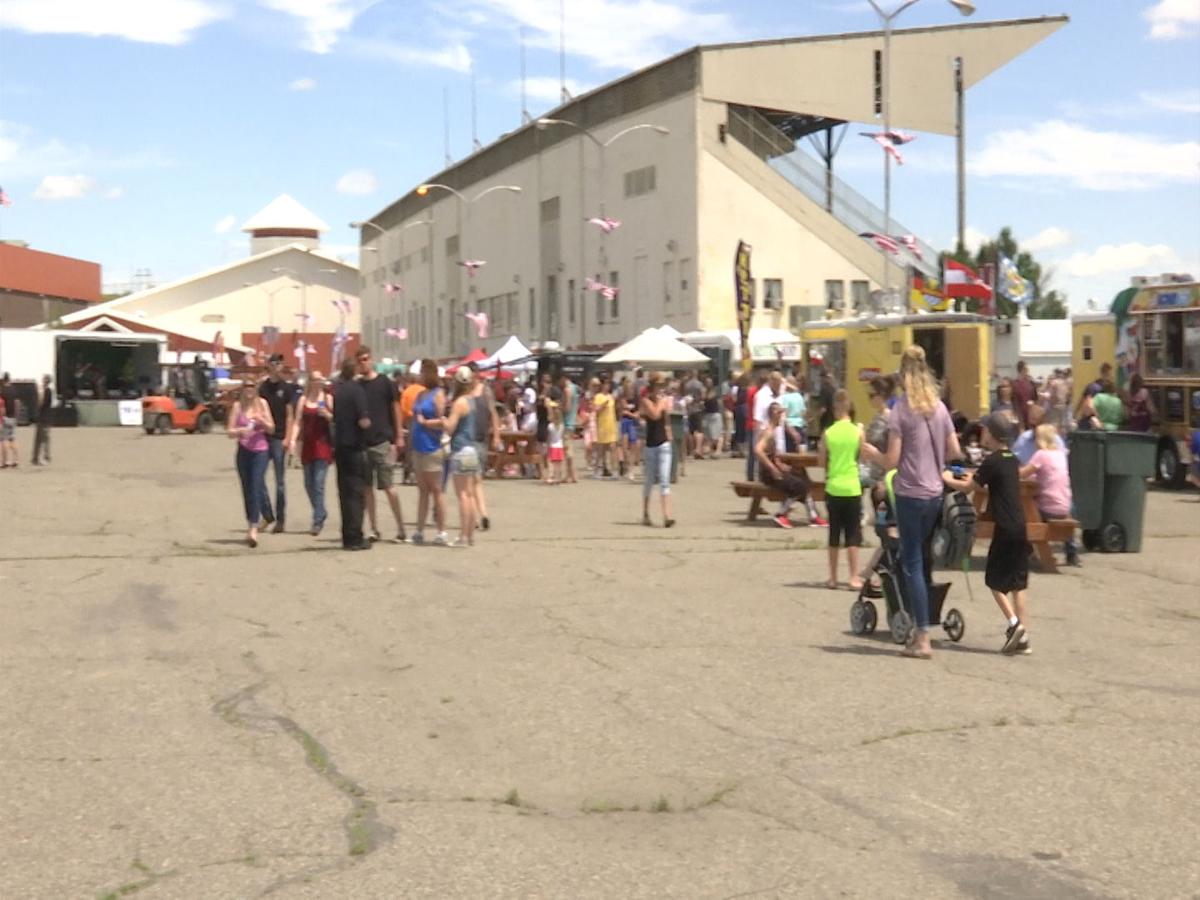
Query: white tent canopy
{"points": [[512, 351], [654, 349]]}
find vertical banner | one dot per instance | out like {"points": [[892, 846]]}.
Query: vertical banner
{"points": [[743, 293]]}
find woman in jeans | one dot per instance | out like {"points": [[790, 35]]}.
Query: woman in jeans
{"points": [[311, 432], [921, 438], [655, 410], [250, 422]]}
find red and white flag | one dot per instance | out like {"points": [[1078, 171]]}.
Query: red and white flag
{"points": [[604, 290], [472, 266], [400, 334], [390, 288], [4, 201], [960, 280], [480, 320], [218, 347], [910, 244], [884, 242], [890, 141], [604, 223], [342, 305]]}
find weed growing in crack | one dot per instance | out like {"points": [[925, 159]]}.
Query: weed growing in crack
{"points": [[603, 806], [661, 805], [512, 798]]}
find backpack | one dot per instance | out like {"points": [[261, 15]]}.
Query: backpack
{"points": [[955, 533]]}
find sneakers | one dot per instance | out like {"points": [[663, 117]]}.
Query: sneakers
{"points": [[374, 537], [783, 521], [402, 538], [485, 523], [278, 529], [441, 540], [1012, 638], [668, 523], [418, 538], [818, 522], [1023, 647]]}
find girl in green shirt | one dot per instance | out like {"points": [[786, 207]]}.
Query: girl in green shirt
{"points": [[840, 446]]}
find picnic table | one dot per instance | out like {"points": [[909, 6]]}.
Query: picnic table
{"points": [[1039, 532], [518, 448], [757, 491]]}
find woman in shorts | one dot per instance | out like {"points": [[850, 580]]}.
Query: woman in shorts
{"points": [[464, 455], [428, 455]]}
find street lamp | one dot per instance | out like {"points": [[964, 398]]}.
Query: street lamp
{"points": [[966, 7], [463, 202], [601, 146]]}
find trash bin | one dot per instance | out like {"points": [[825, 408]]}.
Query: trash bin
{"points": [[1108, 482]]}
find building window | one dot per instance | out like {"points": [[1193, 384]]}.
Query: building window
{"points": [[571, 301], [614, 282], [772, 293], [640, 181], [1087, 347], [860, 295], [835, 294], [552, 307], [533, 312], [685, 284], [439, 327], [668, 283], [754, 293], [513, 324], [453, 325], [549, 210], [452, 247], [798, 315]]}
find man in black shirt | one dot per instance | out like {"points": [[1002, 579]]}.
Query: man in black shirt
{"points": [[385, 440], [281, 397], [1008, 556], [351, 424], [41, 439]]}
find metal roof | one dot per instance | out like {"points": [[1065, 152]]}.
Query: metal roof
{"points": [[284, 213]]}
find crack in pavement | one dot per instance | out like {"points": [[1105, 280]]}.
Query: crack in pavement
{"points": [[242, 709]]}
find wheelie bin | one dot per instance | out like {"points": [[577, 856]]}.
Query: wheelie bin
{"points": [[1108, 482]]}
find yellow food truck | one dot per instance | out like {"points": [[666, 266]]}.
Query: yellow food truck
{"points": [[1153, 330], [958, 347]]}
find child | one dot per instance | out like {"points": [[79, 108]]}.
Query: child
{"points": [[1048, 466], [554, 442], [1008, 557], [885, 528], [839, 451]]}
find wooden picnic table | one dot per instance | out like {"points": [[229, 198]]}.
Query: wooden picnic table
{"points": [[1038, 531], [757, 491], [518, 448]]}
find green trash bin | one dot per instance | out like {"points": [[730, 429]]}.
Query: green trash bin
{"points": [[1129, 459], [1086, 465]]}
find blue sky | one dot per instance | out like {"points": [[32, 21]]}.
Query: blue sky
{"points": [[142, 133]]}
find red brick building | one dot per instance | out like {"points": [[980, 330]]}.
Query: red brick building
{"points": [[37, 287]]}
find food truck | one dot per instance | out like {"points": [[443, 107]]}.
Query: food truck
{"points": [[1153, 329], [958, 347]]}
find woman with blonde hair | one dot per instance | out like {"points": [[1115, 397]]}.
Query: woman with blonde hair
{"points": [[311, 432], [249, 423], [921, 438], [428, 455], [464, 455]]}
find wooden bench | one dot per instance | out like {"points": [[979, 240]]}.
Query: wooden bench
{"points": [[758, 492], [1041, 534]]}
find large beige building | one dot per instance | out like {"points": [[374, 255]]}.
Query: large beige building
{"points": [[691, 156]]}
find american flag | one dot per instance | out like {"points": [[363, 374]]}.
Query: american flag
{"points": [[390, 288], [910, 244], [305, 317], [480, 320], [472, 265], [4, 201], [890, 141], [884, 242], [601, 288], [342, 305], [604, 223]]}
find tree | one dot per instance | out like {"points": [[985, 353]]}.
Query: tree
{"points": [[1045, 304]]}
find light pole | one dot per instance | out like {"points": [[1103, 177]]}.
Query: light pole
{"points": [[463, 203], [966, 7], [601, 147]]}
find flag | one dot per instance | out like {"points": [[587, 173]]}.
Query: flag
{"points": [[400, 334], [743, 293], [305, 318], [604, 223], [884, 242], [1012, 285], [963, 281], [270, 334], [591, 284], [4, 201], [926, 295], [390, 288], [218, 347], [342, 305], [480, 319], [337, 347], [471, 265], [301, 353], [910, 244], [890, 141]]}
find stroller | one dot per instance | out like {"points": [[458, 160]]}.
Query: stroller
{"points": [[885, 568]]}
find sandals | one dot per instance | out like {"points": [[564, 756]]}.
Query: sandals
{"points": [[912, 652]]}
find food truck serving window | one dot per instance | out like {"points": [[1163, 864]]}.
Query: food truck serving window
{"points": [[1172, 343]]}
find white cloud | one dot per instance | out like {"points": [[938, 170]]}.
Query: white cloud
{"points": [[615, 34], [64, 187], [114, 193], [1173, 19], [1185, 101], [546, 89], [1046, 239], [453, 56], [323, 21], [1133, 258], [148, 21], [27, 154], [302, 84], [358, 182], [224, 224], [1090, 159]]}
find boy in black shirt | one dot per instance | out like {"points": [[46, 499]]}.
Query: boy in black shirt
{"points": [[1008, 557]]}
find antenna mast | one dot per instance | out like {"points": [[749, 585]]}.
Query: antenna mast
{"points": [[525, 117], [475, 145], [564, 94]]}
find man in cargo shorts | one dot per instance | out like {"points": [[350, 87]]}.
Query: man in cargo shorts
{"points": [[385, 441]]}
